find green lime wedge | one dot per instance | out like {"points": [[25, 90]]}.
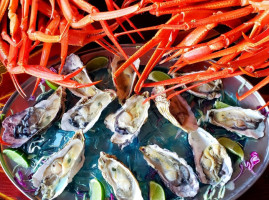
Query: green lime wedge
{"points": [[219, 104], [52, 85], [156, 191], [96, 63], [97, 191], [158, 76], [232, 146], [2, 117], [18, 157]]}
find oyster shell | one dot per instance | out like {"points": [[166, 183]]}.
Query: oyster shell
{"points": [[87, 111], [210, 90], [54, 175], [241, 121], [124, 83], [121, 179], [176, 110], [72, 63], [212, 162], [177, 175], [128, 120], [22, 126]]}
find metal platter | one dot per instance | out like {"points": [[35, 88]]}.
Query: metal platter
{"points": [[17, 103]]}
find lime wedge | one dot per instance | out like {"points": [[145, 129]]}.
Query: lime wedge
{"points": [[97, 191], [219, 104], [2, 117], [156, 191], [158, 76], [18, 157], [96, 63], [52, 85], [232, 146]]}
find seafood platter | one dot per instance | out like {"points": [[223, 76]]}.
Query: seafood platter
{"points": [[200, 144]]}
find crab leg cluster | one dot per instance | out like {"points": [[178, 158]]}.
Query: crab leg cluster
{"points": [[27, 24], [242, 47]]}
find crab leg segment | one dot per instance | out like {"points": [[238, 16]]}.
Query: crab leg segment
{"points": [[3, 8], [193, 38]]}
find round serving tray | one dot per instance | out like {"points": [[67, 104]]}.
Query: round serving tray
{"points": [[16, 103]]}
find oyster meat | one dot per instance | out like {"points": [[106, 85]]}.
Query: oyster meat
{"points": [[121, 179], [54, 175], [245, 122], [210, 90], [212, 162], [128, 120], [177, 175], [87, 111], [20, 127], [176, 110], [72, 63], [124, 83]]}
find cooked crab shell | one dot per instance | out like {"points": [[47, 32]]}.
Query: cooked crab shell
{"points": [[177, 175], [245, 122], [22, 126], [176, 110], [210, 90], [73, 63], [128, 120], [54, 175], [124, 83], [212, 162], [121, 179], [87, 111]]}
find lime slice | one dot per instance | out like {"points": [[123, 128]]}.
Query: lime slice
{"points": [[156, 191], [18, 157], [97, 191], [96, 63], [52, 85], [158, 76], [232, 146], [219, 104], [2, 117]]}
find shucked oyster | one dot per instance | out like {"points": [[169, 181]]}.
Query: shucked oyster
{"points": [[124, 83], [128, 120], [72, 63], [55, 174], [212, 162], [210, 90], [20, 127], [242, 121], [176, 110], [177, 175], [121, 179], [87, 111]]}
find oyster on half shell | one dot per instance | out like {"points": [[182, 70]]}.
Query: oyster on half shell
{"points": [[128, 120], [242, 121], [87, 111], [54, 175], [210, 90], [176, 174], [22, 126], [212, 162], [121, 179], [124, 82], [72, 63], [176, 110]]}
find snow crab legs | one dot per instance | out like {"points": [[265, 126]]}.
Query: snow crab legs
{"points": [[241, 48], [62, 21]]}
